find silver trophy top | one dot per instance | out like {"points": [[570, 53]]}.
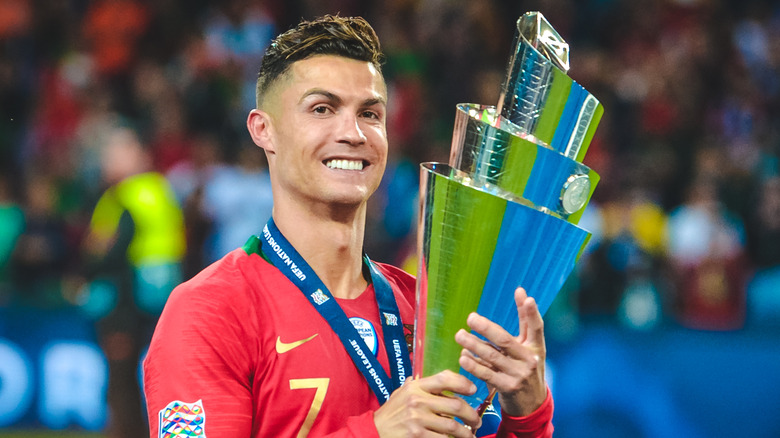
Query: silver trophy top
{"points": [[531, 145], [539, 98], [543, 37]]}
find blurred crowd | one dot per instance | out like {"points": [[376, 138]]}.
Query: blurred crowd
{"points": [[686, 218]]}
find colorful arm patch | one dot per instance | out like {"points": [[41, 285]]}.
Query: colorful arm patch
{"points": [[180, 419]]}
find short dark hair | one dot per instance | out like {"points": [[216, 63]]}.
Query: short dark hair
{"points": [[350, 37]]}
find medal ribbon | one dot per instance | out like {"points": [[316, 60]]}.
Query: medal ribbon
{"points": [[285, 258]]}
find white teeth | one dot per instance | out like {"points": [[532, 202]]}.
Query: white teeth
{"points": [[345, 164]]}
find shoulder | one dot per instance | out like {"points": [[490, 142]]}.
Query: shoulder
{"points": [[223, 277], [229, 289], [218, 309], [205, 346]]}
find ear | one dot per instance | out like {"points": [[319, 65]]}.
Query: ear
{"points": [[260, 128]]}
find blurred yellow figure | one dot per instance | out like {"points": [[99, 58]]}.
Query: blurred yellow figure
{"points": [[133, 255]]}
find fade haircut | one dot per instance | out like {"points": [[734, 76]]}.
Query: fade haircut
{"points": [[350, 37]]}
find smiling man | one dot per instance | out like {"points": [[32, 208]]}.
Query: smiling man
{"points": [[298, 333]]}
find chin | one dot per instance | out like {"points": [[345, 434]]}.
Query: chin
{"points": [[354, 198], [348, 202]]}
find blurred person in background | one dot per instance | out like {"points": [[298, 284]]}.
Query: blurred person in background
{"points": [[132, 254], [621, 274], [237, 201], [237, 33], [706, 249], [112, 31], [763, 234], [40, 259], [11, 227], [189, 178]]}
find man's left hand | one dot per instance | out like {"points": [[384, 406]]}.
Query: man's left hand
{"points": [[514, 365]]}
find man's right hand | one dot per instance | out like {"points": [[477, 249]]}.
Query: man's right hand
{"points": [[424, 408]]}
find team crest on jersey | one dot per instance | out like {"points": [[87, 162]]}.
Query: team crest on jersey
{"points": [[390, 319], [182, 420], [366, 331], [319, 297]]}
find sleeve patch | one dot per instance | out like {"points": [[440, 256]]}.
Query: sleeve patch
{"points": [[180, 420]]}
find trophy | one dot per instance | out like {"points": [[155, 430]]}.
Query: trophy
{"points": [[503, 212]]}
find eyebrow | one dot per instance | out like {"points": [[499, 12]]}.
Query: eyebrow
{"points": [[338, 100]]}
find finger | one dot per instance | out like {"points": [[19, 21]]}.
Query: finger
{"points": [[446, 424], [497, 359], [532, 319], [450, 427], [504, 376], [475, 358], [496, 335], [447, 406], [520, 297], [447, 381], [489, 329], [479, 369], [477, 366], [419, 413]]}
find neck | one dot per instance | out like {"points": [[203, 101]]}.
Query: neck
{"points": [[330, 241]]}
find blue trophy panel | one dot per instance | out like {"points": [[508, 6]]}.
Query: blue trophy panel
{"points": [[536, 251]]}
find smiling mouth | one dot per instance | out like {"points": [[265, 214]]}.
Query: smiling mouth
{"points": [[346, 164]]}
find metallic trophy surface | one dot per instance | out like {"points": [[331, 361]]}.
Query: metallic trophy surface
{"points": [[503, 213]]}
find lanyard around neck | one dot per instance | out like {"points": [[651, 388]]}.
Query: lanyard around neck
{"points": [[285, 258]]}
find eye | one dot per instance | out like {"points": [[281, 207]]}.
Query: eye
{"points": [[368, 114], [321, 109]]}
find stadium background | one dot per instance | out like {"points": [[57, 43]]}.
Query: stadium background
{"points": [[669, 327]]}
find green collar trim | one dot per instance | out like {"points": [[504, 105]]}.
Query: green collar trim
{"points": [[254, 246]]}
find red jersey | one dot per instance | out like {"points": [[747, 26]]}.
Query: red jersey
{"points": [[240, 352]]}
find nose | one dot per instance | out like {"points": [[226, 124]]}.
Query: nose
{"points": [[351, 132]]}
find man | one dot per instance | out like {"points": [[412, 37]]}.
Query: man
{"points": [[132, 256], [262, 343]]}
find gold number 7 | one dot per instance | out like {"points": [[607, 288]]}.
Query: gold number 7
{"points": [[321, 385]]}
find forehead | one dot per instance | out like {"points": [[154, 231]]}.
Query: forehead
{"points": [[342, 76]]}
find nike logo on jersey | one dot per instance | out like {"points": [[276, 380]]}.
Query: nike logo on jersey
{"points": [[284, 347]]}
